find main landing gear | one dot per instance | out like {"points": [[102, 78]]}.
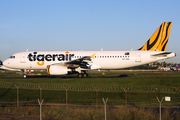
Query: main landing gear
{"points": [[80, 75]]}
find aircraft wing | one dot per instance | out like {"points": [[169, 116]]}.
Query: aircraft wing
{"points": [[82, 62]]}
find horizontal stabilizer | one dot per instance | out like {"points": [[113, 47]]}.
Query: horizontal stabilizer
{"points": [[161, 54]]}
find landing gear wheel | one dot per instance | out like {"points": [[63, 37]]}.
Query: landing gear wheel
{"points": [[24, 76], [80, 75], [85, 75]]}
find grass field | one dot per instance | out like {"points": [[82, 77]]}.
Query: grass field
{"points": [[59, 113], [128, 79], [141, 95]]}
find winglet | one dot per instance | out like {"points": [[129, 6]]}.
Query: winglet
{"points": [[158, 41], [93, 56]]}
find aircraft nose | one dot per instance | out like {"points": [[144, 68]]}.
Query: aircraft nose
{"points": [[5, 63], [9, 63]]}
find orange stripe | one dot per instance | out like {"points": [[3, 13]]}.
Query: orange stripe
{"points": [[40, 64], [48, 69]]}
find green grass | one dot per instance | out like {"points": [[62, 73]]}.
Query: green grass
{"points": [[121, 113], [170, 79], [110, 78]]}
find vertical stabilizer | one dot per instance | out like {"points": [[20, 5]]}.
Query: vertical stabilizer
{"points": [[158, 41]]}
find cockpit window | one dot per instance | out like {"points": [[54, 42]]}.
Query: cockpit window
{"points": [[12, 57]]}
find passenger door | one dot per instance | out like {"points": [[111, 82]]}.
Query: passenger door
{"points": [[138, 57]]}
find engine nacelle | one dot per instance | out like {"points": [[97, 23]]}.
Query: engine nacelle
{"points": [[57, 70]]}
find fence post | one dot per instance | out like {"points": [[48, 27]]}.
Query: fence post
{"points": [[40, 92], [66, 95], [97, 96], [105, 102], [160, 106], [40, 103], [159, 91], [125, 90], [17, 94]]}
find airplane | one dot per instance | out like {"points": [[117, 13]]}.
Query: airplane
{"points": [[78, 62], [176, 68], [166, 68]]}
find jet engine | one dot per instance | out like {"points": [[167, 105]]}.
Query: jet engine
{"points": [[57, 70]]}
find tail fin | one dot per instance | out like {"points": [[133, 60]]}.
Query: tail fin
{"points": [[158, 41], [177, 66]]}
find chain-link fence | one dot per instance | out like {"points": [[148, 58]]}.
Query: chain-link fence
{"points": [[90, 88]]}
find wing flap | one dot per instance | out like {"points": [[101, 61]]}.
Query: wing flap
{"points": [[82, 62]]}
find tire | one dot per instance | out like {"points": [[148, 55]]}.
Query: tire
{"points": [[85, 75], [24, 76], [80, 75]]}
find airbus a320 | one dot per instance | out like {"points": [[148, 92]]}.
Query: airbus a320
{"points": [[78, 62]]}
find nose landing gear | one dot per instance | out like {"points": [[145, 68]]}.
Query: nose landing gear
{"points": [[24, 76], [24, 73]]}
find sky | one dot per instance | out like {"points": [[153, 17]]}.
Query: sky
{"points": [[66, 25]]}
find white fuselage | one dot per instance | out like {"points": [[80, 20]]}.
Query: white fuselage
{"points": [[104, 59]]}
